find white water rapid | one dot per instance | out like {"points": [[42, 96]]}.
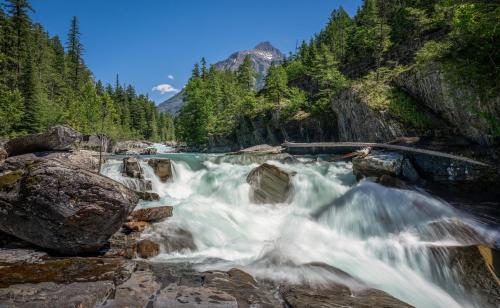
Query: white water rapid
{"points": [[377, 234]]}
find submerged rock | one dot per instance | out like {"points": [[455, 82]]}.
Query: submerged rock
{"points": [[173, 239], [162, 168], [132, 168], [55, 205], [270, 184], [57, 138], [152, 214], [346, 292]]}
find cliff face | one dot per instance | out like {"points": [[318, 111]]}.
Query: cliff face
{"points": [[358, 122], [462, 109]]}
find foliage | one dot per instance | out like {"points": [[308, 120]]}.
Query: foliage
{"points": [[42, 84]]}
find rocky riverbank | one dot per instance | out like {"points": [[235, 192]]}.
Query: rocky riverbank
{"points": [[70, 237]]}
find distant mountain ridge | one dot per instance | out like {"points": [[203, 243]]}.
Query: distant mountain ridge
{"points": [[262, 55]]}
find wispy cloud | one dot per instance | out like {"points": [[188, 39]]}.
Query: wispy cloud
{"points": [[171, 77], [165, 88]]}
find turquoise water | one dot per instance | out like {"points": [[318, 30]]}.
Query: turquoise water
{"points": [[374, 233]]}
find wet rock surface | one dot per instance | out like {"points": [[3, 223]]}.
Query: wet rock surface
{"points": [[153, 214], [147, 249], [378, 163], [270, 184], [162, 168], [57, 138], [55, 205], [148, 195], [132, 168]]}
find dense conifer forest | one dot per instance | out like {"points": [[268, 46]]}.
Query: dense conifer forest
{"points": [[365, 51], [44, 81]]}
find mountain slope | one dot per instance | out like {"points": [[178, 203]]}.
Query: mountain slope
{"points": [[262, 55]]}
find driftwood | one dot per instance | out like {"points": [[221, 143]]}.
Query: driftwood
{"points": [[392, 147], [359, 153]]}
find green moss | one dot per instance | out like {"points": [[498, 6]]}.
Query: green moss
{"points": [[376, 90], [9, 179]]}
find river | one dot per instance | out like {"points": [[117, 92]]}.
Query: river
{"points": [[376, 234]]}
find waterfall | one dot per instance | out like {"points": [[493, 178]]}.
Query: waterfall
{"points": [[379, 235]]}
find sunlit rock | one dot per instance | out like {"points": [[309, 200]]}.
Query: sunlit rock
{"points": [[152, 214], [270, 184], [378, 163], [132, 168], [162, 168], [57, 138]]}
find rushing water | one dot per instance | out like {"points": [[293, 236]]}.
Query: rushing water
{"points": [[376, 234]]}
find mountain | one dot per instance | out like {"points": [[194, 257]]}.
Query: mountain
{"points": [[263, 55]]}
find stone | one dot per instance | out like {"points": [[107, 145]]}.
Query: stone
{"points": [[37, 267], [174, 296], [123, 244], [152, 214], [408, 171], [49, 294], [95, 142], [132, 168], [137, 291], [270, 184], [377, 163], [147, 249], [262, 149], [476, 267], [149, 151], [390, 181], [148, 196], [345, 291], [173, 238], [136, 226], [57, 138], [84, 159], [135, 184], [57, 206], [162, 168]]}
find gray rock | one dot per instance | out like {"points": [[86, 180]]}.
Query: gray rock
{"points": [[408, 171], [173, 238], [270, 184], [132, 168], [84, 159], [378, 163], [175, 296], [152, 214], [149, 151], [57, 138], [138, 291], [358, 122], [162, 168], [148, 196], [49, 294], [58, 206]]}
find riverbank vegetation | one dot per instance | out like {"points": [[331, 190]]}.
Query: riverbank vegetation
{"points": [[44, 81], [363, 51]]}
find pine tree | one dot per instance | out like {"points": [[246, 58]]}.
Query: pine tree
{"points": [[204, 71], [20, 21], [246, 74], [75, 52], [196, 71]]}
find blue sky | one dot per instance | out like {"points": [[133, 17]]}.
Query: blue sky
{"points": [[156, 42]]}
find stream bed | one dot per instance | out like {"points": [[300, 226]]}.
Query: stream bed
{"points": [[382, 236]]}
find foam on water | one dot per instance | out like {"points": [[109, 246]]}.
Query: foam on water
{"points": [[369, 231]]}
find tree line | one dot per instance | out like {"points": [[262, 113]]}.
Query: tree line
{"points": [[44, 82], [465, 44]]}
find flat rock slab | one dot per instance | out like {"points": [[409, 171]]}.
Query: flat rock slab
{"points": [[57, 138], [270, 184], [152, 214], [49, 294]]}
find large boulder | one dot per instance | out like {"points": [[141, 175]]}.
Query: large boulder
{"points": [[270, 184], [84, 159], [132, 168], [58, 206], [57, 138], [162, 168]]}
